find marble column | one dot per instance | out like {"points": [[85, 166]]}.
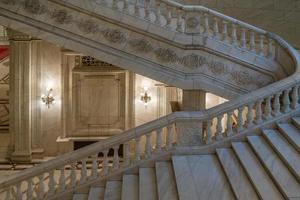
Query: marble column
{"points": [[20, 95], [190, 133]]}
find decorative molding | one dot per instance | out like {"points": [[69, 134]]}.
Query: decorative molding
{"points": [[34, 7], [114, 35], [61, 16], [88, 26], [192, 22], [166, 55], [217, 67], [140, 45], [193, 61]]}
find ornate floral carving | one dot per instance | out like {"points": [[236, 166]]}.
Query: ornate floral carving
{"points": [[193, 61], [61, 16], [34, 7], [217, 68], [192, 22], [9, 2], [240, 77], [141, 45], [114, 35], [88, 26], [166, 55]]}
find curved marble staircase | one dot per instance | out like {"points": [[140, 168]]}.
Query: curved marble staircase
{"points": [[175, 44], [265, 166]]}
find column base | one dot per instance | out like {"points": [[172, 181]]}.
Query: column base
{"points": [[21, 157]]}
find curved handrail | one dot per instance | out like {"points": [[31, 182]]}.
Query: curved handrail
{"points": [[283, 88]]}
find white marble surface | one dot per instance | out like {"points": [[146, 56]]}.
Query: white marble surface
{"points": [[240, 183], [262, 182], [147, 184], [130, 187], [96, 193], [280, 173], [291, 133], [285, 150], [113, 190], [205, 177], [166, 184]]}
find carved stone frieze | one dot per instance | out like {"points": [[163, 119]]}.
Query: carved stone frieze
{"points": [[166, 55], [241, 77], [34, 7], [192, 22], [193, 61], [114, 35], [9, 2], [88, 26], [141, 45], [217, 67], [61, 16]]}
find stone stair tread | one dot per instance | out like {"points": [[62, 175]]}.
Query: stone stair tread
{"points": [[201, 177], [130, 187], [96, 193], [291, 133], [166, 185], [240, 183], [296, 121], [287, 183], [113, 190], [285, 150], [263, 184], [147, 184], [80, 197]]}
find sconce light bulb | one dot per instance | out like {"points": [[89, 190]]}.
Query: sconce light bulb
{"points": [[146, 88]]}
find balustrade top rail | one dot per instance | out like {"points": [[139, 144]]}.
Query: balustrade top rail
{"points": [[245, 100]]}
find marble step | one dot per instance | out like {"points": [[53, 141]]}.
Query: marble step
{"points": [[96, 193], [240, 183], [285, 150], [261, 181], [291, 133], [130, 187], [147, 184], [113, 190], [80, 197], [286, 181], [296, 122], [201, 177], [166, 185]]}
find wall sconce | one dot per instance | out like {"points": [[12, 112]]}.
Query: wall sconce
{"points": [[48, 99], [145, 97]]}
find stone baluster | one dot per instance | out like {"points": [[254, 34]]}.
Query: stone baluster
{"points": [[148, 148], [169, 137], [8, 195], [158, 140], [250, 115], [240, 120], [62, 179], [157, 12], [83, 172], [216, 27], [179, 22], [286, 101], [115, 4], [234, 35], [252, 41], [270, 48], [276, 104], [19, 191], [295, 96], [41, 187], [105, 166], [219, 134], [208, 138], [268, 108], [52, 183], [225, 31], [147, 9], [125, 6], [206, 24], [126, 154], [137, 149], [73, 175], [229, 123], [168, 16], [116, 159], [136, 8], [258, 117], [243, 39], [94, 166], [261, 45], [29, 190]]}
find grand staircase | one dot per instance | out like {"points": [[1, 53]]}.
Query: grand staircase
{"points": [[264, 166], [184, 155]]}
